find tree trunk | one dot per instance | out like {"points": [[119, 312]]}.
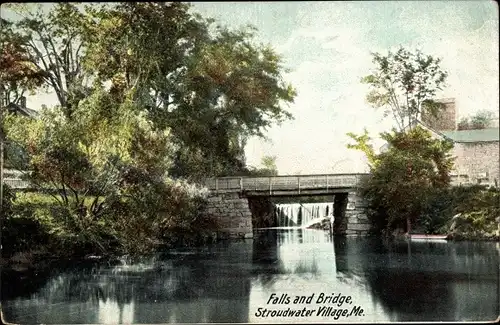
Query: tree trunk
{"points": [[408, 225]]}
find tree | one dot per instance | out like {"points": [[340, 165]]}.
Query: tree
{"points": [[101, 159], [52, 45], [480, 120], [404, 84], [403, 176], [144, 89], [464, 124], [362, 143], [269, 162], [212, 87], [269, 166], [17, 73]]}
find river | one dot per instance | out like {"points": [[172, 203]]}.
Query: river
{"points": [[242, 281]]}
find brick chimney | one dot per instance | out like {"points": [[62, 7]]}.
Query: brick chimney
{"points": [[446, 119]]}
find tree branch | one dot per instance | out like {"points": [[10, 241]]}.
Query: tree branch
{"points": [[48, 75]]}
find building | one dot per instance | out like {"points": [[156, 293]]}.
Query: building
{"points": [[477, 155], [476, 152], [446, 119], [20, 108]]}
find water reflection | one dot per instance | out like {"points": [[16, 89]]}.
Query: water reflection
{"points": [[230, 281]]}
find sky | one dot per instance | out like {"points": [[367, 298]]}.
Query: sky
{"points": [[326, 46]]}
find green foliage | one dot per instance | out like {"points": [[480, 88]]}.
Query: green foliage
{"points": [[213, 89], [7, 198], [39, 221], [85, 156], [20, 230], [362, 144], [209, 87], [17, 72], [147, 92], [53, 43], [437, 211], [479, 213], [268, 168], [151, 211], [144, 215], [481, 120], [403, 177], [404, 84], [464, 124], [21, 233], [443, 203], [269, 162]]}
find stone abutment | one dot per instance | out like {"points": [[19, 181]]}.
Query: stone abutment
{"points": [[237, 215], [232, 213]]}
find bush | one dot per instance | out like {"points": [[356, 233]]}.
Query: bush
{"points": [[20, 231], [478, 216], [477, 204], [151, 211], [479, 121], [146, 211], [403, 176], [8, 197], [38, 220]]}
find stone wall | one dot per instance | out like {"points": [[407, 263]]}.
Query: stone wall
{"points": [[477, 158], [263, 212], [339, 209], [232, 214], [358, 223], [446, 119]]}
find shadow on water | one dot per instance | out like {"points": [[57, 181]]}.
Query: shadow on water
{"points": [[192, 286], [426, 281], [227, 281]]}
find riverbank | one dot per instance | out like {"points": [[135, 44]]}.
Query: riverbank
{"points": [[456, 232], [43, 258], [36, 223]]}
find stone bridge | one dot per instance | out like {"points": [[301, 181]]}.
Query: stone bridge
{"points": [[236, 202], [232, 200]]}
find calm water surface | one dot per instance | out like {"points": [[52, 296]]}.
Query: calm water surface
{"points": [[230, 281]]}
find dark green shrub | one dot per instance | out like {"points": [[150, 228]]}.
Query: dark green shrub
{"points": [[20, 231], [8, 197]]}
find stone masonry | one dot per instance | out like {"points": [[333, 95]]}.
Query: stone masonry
{"points": [[232, 214], [445, 119], [358, 223], [350, 215], [478, 158]]}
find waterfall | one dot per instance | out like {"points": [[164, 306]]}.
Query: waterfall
{"points": [[302, 214]]}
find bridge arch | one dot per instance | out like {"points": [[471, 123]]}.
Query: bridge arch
{"points": [[232, 200]]}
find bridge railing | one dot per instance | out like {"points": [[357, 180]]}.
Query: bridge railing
{"points": [[272, 183], [17, 183]]}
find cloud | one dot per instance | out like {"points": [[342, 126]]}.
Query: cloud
{"points": [[327, 45], [330, 98]]}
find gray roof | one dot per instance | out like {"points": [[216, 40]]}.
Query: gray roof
{"points": [[480, 135]]}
